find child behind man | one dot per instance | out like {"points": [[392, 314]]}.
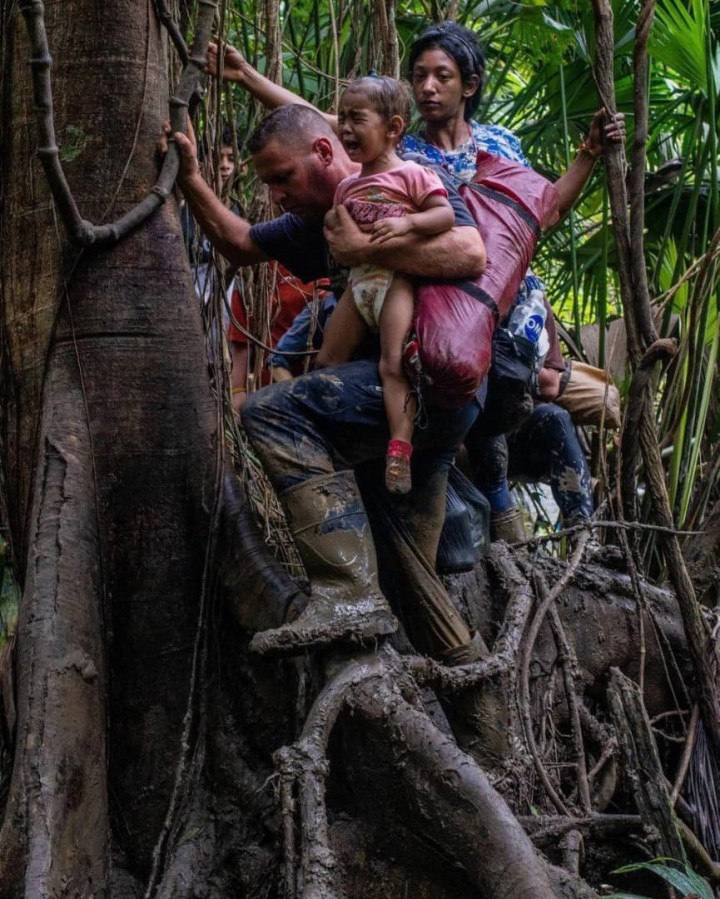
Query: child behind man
{"points": [[388, 198]]}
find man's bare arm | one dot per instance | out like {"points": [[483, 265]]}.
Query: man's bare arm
{"points": [[548, 384], [229, 233], [458, 253]]}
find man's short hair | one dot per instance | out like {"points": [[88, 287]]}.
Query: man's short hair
{"points": [[294, 124]]}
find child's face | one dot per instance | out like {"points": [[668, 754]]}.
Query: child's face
{"points": [[226, 166], [364, 133]]}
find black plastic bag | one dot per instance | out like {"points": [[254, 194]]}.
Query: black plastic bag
{"points": [[465, 535], [509, 386]]}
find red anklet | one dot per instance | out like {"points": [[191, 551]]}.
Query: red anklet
{"points": [[400, 449]]}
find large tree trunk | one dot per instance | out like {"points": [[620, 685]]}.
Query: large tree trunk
{"points": [[110, 446], [144, 734]]}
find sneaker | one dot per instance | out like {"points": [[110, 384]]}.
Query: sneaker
{"points": [[398, 478]]}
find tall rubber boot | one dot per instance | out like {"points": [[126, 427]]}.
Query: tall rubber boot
{"points": [[507, 526], [327, 520]]}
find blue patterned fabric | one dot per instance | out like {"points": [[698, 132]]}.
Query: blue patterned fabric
{"points": [[460, 162]]}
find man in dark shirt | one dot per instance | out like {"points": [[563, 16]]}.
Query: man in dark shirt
{"points": [[316, 434]]}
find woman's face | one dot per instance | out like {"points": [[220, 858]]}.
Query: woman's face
{"points": [[438, 87]]}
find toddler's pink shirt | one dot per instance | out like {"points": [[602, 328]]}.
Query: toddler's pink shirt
{"points": [[388, 194]]}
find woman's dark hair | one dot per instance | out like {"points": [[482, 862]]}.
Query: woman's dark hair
{"points": [[462, 45]]}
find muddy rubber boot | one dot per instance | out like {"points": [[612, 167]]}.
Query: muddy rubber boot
{"points": [[478, 716], [332, 534], [507, 526]]}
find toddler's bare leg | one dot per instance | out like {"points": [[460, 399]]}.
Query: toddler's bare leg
{"points": [[343, 335], [400, 404]]}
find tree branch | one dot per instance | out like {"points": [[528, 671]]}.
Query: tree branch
{"points": [[615, 167], [642, 765], [81, 232], [646, 325]]}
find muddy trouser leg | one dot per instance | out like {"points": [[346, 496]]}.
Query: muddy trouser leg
{"points": [[406, 535], [406, 531], [489, 460], [546, 448], [334, 419]]}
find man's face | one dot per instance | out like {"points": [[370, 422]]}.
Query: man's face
{"points": [[299, 178]]}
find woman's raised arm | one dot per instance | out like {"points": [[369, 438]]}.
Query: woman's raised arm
{"points": [[236, 68]]}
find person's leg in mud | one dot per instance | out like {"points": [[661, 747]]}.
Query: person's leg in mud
{"points": [[488, 456], [305, 431], [406, 529], [308, 430], [546, 448]]}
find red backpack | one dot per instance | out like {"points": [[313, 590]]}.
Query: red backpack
{"points": [[455, 321]]}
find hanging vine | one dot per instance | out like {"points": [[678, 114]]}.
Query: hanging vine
{"points": [[81, 232]]}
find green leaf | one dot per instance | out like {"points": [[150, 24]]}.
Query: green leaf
{"points": [[686, 881], [679, 40]]}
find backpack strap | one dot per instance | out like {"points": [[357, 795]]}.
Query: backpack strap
{"points": [[482, 296], [499, 197]]}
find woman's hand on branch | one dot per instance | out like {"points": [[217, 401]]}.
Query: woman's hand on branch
{"points": [[271, 95], [570, 184], [234, 63], [613, 127]]}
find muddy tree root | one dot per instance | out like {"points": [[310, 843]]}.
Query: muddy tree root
{"points": [[448, 798]]}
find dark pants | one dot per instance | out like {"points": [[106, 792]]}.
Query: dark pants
{"points": [[544, 448], [334, 419]]}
